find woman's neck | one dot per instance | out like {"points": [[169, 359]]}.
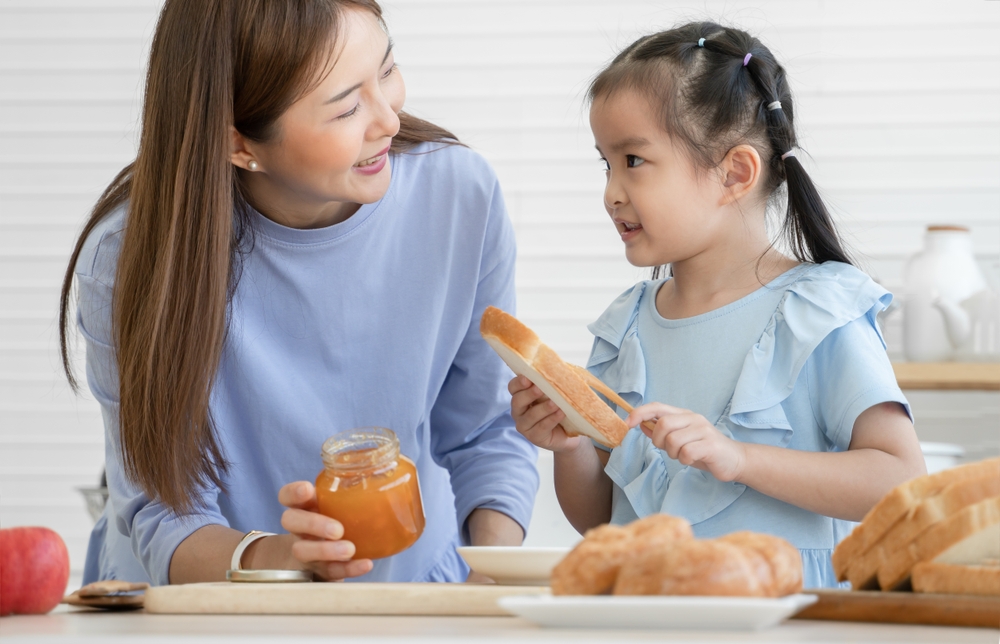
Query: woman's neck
{"points": [[293, 210], [721, 275]]}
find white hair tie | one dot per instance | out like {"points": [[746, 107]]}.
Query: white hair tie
{"points": [[790, 153], [774, 106]]}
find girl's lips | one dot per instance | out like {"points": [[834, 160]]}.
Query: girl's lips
{"points": [[628, 230], [373, 165]]}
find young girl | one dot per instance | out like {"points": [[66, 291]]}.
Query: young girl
{"points": [[774, 404]]}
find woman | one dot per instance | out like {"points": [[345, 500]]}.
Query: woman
{"points": [[288, 257]]}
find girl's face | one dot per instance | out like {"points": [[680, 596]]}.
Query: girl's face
{"points": [[666, 211], [331, 149]]}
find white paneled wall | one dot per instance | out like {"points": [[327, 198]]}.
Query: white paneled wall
{"points": [[898, 103]]}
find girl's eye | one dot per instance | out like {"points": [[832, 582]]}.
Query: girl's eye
{"points": [[389, 71], [347, 115], [605, 165], [633, 161]]}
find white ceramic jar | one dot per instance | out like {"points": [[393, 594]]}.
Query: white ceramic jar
{"points": [[945, 269]]}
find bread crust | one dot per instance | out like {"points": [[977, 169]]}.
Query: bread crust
{"points": [[895, 506], [691, 567], [954, 579], [600, 421], [783, 573], [658, 555], [592, 567], [863, 571], [937, 540]]}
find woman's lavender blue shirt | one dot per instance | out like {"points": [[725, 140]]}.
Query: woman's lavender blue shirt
{"points": [[372, 321]]}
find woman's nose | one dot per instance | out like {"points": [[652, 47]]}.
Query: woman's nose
{"points": [[386, 121]]}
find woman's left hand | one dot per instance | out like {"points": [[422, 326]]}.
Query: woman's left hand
{"points": [[690, 439]]}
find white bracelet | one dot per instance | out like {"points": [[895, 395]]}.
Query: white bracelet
{"points": [[247, 539]]}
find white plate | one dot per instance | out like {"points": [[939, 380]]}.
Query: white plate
{"points": [[513, 566], [691, 613]]}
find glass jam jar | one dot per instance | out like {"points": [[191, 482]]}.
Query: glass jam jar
{"points": [[372, 489]]}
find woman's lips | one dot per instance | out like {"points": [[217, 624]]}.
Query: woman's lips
{"points": [[374, 164]]}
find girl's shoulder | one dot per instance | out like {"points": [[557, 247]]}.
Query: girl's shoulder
{"points": [[816, 300], [827, 293]]}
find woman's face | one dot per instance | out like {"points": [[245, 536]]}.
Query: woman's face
{"points": [[330, 153]]}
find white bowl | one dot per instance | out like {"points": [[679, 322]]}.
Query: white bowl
{"points": [[513, 566], [941, 456]]}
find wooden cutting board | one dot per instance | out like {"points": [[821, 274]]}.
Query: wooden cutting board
{"points": [[334, 598], [903, 608]]}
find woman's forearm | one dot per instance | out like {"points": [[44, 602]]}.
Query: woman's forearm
{"points": [[207, 554], [491, 528], [582, 487]]}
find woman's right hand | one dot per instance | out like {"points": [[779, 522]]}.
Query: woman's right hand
{"points": [[537, 418], [317, 543]]}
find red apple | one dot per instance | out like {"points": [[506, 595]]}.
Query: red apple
{"points": [[34, 570]]}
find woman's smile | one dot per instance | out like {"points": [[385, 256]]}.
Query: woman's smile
{"points": [[373, 165]]}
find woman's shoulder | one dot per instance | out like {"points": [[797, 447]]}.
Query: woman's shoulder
{"points": [[98, 257], [448, 162]]}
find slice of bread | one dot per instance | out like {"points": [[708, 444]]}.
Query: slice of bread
{"points": [[863, 571], [967, 537], [897, 504], [978, 579], [526, 355]]}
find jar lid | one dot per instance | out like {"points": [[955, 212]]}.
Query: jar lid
{"points": [[269, 576]]}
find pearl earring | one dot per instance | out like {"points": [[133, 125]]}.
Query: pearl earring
{"points": [[253, 165]]}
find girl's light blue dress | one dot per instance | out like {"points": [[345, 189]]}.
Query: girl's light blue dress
{"points": [[791, 365]]}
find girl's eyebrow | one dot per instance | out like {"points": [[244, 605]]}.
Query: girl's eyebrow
{"points": [[632, 142], [347, 92]]}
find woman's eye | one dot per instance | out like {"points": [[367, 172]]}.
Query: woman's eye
{"points": [[605, 165], [346, 115], [633, 161], [389, 71]]}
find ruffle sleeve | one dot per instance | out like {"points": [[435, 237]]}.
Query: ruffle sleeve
{"points": [[818, 300]]}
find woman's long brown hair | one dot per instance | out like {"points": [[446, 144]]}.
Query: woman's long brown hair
{"points": [[214, 64]]}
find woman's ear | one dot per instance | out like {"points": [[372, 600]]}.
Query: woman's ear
{"points": [[241, 156], [740, 173]]}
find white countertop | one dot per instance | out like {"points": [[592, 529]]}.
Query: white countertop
{"points": [[74, 625]]}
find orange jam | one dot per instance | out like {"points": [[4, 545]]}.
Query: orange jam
{"points": [[370, 488]]}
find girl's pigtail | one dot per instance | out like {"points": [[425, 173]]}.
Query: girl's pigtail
{"points": [[808, 223]]}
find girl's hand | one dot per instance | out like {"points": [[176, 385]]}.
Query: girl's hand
{"points": [[689, 438], [537, 418], [317, 545]]}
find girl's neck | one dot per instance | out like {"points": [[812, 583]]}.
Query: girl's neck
{"points": [[718, 277]]}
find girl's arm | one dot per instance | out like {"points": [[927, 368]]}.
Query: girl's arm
{"points": [[582, 487], [883, 453]]}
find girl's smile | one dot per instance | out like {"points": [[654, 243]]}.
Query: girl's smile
{"points": [[627, 230]]}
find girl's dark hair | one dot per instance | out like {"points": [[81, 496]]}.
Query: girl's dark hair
{"points": [[213, 65], [711, 101]]}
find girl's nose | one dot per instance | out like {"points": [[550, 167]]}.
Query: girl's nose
{"points": [[614, 196]]}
